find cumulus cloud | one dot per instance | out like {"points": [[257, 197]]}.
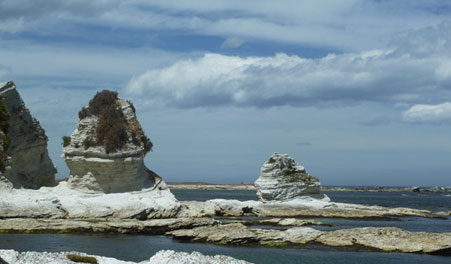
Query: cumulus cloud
{"points": [[428, 113], [215, 80]]}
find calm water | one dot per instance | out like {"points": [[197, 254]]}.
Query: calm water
{"points": [[428, 201], [138, 247]]}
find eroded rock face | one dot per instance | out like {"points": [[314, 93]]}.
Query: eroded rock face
{"points": [[94, 167], [281, 179], [28, 162]]}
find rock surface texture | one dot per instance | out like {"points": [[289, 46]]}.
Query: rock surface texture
{"points": [[29, 165], [64, 202], [389, 239], [161, 257], [105, 158], [281, 179]]}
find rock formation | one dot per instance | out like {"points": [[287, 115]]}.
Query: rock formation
{"points": [[106, 151], [23, 152], [281, 179]]}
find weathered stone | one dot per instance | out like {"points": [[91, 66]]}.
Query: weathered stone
{"points": [[102, 225], [162, 256], [30, 165], [388, 239], [281, 179], [64, 202], [93, 167], [308, 207], [380, 238]]}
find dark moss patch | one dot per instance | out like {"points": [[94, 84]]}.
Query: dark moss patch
{"points": [[66, 141], [81, 259]]}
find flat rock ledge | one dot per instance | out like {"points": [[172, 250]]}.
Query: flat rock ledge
{"points": [[161, 257], [306, 207], [113, 225], [387, 239]]}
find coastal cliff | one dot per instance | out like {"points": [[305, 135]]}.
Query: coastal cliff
{"points": [[24, 144]]}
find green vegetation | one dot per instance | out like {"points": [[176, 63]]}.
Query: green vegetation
{"points": [[297, 177], [277, 244], [63, 231], [82, 259], [113, 131]]}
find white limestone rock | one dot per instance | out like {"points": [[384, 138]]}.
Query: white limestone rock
{"points": [[64, 202], [29, 165], [282, 179], [93, 167], [161, 257]]}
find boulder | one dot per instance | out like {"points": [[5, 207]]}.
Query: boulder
{"points": [[282, 179], [25, 157], [107, 149]]}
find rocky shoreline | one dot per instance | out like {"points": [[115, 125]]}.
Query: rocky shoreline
{"points": [[251, 187]]}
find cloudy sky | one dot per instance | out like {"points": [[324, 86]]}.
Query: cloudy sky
{"points": [[359, 92]]}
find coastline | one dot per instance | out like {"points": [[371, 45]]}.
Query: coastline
{"points": [[251, 187]]}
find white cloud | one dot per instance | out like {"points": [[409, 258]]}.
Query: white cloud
{"points": [[342, 25], [428, 113], [215, 80]]}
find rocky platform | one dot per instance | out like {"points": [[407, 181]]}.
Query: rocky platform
{"points": [[388, 239], [64, 202], [306, 207], [163, 256]]}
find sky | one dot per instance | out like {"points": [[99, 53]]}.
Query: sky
{"points": [[357, 91]]}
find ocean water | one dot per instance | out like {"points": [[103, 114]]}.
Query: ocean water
{"points": [[140, 247], [427, 201]]}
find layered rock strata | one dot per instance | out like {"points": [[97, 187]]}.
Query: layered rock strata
{"points": [[282, 179], [29, 163], [107, 158]]}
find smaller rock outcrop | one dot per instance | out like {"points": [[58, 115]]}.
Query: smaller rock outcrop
{"points": [[24, 157], [282, 179], [106, 152]]}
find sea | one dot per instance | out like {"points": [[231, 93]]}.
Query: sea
{"points": [[142, 247]]}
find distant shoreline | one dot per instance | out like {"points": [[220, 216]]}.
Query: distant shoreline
{"points": [[251, 187]]}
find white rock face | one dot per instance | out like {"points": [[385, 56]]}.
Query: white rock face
{"points": [[281, 179], [64, 202], [92, 168], [29, 162], [161, 257]]}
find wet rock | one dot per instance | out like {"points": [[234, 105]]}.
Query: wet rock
{"points": [[388, 239], [102, 225]]}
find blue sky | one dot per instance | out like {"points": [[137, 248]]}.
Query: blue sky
{"points": [[359, 92]]}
